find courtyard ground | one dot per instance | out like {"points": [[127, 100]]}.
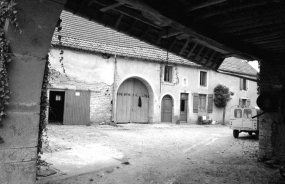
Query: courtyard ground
{"points": [[153, 153]]}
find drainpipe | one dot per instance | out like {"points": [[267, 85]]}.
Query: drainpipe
{"points": [[114, 89]]}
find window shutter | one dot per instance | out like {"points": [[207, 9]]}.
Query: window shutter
{"points": [[241, 84], [248, 102], [246, 85], [240, 102], [210, 103], [195, 102]]}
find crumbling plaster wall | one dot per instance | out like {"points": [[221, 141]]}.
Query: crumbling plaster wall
{"points": [[85, 71], [18, 154]]}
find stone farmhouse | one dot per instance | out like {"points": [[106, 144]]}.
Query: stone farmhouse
{"points": [[113, 77]]}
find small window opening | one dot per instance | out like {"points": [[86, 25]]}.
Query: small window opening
{"points": [[168, 73], [203, 78]]}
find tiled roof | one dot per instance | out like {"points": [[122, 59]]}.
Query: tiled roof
{"points": [[237, 66], [80, 33]]}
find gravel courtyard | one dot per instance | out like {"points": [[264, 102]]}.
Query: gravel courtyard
{"points": [[153, 153]]}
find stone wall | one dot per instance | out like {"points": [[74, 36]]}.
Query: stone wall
{"points": [[272, 125]]}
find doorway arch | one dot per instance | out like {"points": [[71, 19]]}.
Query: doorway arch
{"points": [[133, 102], [166, 108]]}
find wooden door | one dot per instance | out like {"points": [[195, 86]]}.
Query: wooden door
{"points": [[76, 108], [132, 102], [183, 106], [166, 109]]}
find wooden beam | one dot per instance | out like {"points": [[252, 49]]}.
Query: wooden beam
{"points": [[169, 33], [232, 8], [145, 33], [125, 11], [184, 46], [198, 54], [132, 26], [212, 56], [217, 62], [203, 5], [254, 21], [204, 56], [254, 25], [279, 39], [262, 37], [252, 15], [118, 20], [111, 6], [190, 52], [260, 30], [172, 44]]}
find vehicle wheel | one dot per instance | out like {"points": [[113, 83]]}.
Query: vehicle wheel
{"points": [[235, 133], [249, 133]]}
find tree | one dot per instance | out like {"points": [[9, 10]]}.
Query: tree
{"points": [[222, 95]]}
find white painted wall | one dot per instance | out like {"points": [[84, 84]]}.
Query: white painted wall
{"points": [[93, 69]]}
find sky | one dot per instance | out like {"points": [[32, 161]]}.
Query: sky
{"points": [[254, 64]]}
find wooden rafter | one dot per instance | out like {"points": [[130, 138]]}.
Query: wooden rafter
{"points": [[262, 19], [260, 30], [253, 15], [191, 51], [111, 6], [271, 41], [204, 56], [184, 46], [172, 44], [254, 38], [118, 20], [132, 26], [204, 4], [169, 33], [233, 8], [255, 25], [199, 52], [145, 33]]}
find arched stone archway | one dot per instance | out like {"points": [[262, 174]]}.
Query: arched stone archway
{"points": [[134, 101]]}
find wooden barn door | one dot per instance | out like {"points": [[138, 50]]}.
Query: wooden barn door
{"points": [[132, 102], [166, 109], [76, 108]]}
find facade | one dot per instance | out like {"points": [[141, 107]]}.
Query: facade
{"points": [[131, 81], [126, 89]]}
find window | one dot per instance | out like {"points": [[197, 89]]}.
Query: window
{"points": [[57, 98], [243, 84], [202, 103], [168, 73], [247, 113], [237, 113], [203, 78]]}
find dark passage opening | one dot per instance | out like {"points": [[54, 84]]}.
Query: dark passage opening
{"points": [[56, 106]]}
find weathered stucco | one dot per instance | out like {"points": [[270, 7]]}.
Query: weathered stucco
{"points": [[101, 71], [37, 21]]}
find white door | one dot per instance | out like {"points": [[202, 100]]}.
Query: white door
{"points": [[236, 117], [247, 121]]}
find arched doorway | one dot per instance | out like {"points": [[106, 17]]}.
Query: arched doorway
{"points": [[166, 109], [132, 102]]}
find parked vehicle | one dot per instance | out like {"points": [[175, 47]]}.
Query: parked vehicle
{"points": [[241, 120]]}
